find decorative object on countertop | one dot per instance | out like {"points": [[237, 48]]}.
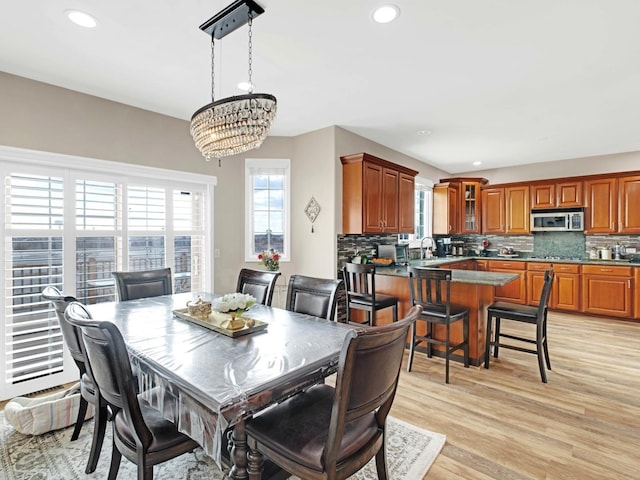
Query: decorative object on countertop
{"points": [[234, 303], [234, 124], [312, 210], [199, 308], [270, 259]]}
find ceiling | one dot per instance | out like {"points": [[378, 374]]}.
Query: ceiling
{"points": [[496, 81]]}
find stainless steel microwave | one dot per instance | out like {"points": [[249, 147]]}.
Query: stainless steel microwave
{"points": [[557, 220]]}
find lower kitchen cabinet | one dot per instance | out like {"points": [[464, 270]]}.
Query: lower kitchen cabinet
{"points": [[516, 291], [607, 290], [535, 281], [565, 293]]}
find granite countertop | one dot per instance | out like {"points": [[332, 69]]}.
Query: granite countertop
{"points": [[496, 279]]}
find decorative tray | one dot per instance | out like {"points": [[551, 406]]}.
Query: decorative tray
{"points": [[215, 320], [508, 255]]}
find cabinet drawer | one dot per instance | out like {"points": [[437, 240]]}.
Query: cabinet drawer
{"points": [[507, 265], [566, 268], [607, 270], [538, 267]]}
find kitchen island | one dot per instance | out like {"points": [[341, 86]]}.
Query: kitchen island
{"points": [[473, 289]]}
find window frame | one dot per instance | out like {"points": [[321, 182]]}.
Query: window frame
{"points": [[71, 169], [266, 164], [421, 184]]}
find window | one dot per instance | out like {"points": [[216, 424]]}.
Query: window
{"points": [[423, 213], [70, 226], [267, 207]]}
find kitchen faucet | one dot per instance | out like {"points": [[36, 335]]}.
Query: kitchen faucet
{"points": [[422, 248]]}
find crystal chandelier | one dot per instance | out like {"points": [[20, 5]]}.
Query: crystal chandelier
{"points": [[234, 124]]}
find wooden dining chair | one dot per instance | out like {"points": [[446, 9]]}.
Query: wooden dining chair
{"points": [[536, 315], [148, 283], [360, 285], [332, 432], [258, 283], [313, 296], [431, 289], [140, 432], [89, 393]]}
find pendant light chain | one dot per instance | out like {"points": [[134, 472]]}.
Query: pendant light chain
{"points": [[213, 72], [250, 53]]}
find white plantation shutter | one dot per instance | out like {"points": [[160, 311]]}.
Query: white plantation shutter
{"points": [[69, 223], [33, 258]]}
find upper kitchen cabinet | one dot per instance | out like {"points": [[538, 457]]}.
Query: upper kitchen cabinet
{"points": [[602, 205], [629, 204], [566, 194], [445, 208], [464, 213], [377, 196], [506, 210]]}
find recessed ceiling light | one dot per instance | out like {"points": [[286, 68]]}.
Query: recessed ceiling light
{"points": [[81, 18], [423, 132], [477, 163], [385, 14]]}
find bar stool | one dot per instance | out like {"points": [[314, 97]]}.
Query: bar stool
{"points": [[522, 313], [431, 289], [360, 286]]}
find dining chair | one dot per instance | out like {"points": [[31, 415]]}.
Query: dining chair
{"points": [[313, 296], [536, 315], [332, 432], [431, 289], [360, 285], [89, 393], [257, 283], [140, 432], [148, 283]]}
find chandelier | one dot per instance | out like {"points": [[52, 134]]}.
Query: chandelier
{"points": [[234, 124]]}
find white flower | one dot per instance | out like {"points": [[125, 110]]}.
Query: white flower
{"points": [[234, 301]]}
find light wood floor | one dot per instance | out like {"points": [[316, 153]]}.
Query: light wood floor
{"points": [[504, 423]]}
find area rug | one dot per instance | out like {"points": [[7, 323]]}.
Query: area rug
{"points": [[52, 456]]}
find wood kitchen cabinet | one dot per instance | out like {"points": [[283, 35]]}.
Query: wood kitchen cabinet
{"points": [[377, 196], [629, 204], [468, 210], [506, 210], [535, 281], [557, 195], [601, 214], [516, 291], [445, 208], [565, 291], [607, 290]]}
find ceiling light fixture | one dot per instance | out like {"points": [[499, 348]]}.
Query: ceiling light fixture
{"points": [[232, 125], [385, 14], [477, 163], [81, 18], [423, 132]]}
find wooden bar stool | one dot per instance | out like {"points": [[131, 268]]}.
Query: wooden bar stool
{"points": [[522, 313], [360, 286]]}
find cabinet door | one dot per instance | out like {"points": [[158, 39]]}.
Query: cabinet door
{"points": [[493, 210], [406, 207], [543, 196], [535, 282], [445, 208], [515, 291], [372, 198], [517, 209], [629, 204], [566, 292], [569, 194], [601, 200], [470, 200], [607, 295], [390, 192]]}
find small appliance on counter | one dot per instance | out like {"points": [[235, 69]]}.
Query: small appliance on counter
{"points": [[443, 247], [398, 253]]}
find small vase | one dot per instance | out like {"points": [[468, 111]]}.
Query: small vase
{"points": [[273, 268]]}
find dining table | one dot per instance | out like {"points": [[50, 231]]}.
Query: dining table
{"points": [[208, 383]]}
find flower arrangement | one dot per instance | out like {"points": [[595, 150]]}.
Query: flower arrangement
{"points": [[234, 302], [270, 259]]}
